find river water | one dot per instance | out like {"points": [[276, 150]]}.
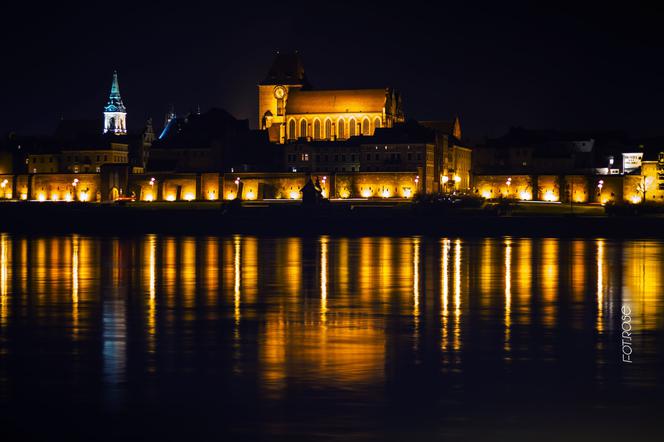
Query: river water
{"points": [[330, 338]]}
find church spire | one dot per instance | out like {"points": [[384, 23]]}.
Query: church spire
{"points": [[115, 113]]}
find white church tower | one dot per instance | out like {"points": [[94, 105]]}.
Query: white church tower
{"points": [[115, 113]]}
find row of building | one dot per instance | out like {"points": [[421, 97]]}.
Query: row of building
{"points": [[356, 143]]}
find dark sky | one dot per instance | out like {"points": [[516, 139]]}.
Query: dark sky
{"points": [[496, 65]]}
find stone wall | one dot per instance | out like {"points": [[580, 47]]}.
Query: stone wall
{"points": [[66, 187]]}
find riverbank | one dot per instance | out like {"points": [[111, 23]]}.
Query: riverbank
{"points": [[294, 219]]}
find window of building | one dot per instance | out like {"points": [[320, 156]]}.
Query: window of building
{"points": [[368, 157], [352, 157], [341, 132], [327, 158], [303, 128], [377, 156], [304, 157], [352, 128], [336, 158], [343, 157], [317, 134], [366, 127], [376, 124], [328, 129], [291, 130]]}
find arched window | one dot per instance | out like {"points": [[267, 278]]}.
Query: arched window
{"points": [[341, 129], [328, 129], [366, 127], [353, 128], [291, 130], [303, 128], [317, 129], [376, 124]]}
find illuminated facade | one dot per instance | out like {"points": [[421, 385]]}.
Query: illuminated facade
{"points": [[115, 113], [289, 109]]}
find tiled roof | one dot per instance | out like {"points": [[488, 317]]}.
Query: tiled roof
{"points": [[336, 101]]}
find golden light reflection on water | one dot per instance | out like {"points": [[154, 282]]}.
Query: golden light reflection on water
{"points": [[187, 267], [325, 307], [578, 270], [524, 277], [237, 301], [169, 270], [642, 281], [416, 291], [74, 283], [151, 255], [600, 285], [211, 271], [323, 279], [487, 274], [4, 278], [508, 293], [445, 289], [456, 343], [549, 280], [237, 280]]}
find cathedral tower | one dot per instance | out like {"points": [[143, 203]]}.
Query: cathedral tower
{"points": [[115, 113], [286, 74]]}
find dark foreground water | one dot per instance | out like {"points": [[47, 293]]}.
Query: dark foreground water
{"points": [[320, 338]]}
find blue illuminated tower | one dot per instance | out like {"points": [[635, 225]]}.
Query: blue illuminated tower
{"points": [[115, 113]]}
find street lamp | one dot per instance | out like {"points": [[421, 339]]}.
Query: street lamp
{"points": [[457, 180], [151, 198], [600, 184], [237, 188], [509, 184], [74, 185]]}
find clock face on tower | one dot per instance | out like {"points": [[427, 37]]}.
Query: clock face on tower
{"points": [[279, 92]]}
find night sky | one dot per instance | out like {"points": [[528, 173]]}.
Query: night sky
{"points": [[567, 67]]}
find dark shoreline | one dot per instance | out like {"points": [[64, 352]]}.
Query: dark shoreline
{"points": [[102, 219]]}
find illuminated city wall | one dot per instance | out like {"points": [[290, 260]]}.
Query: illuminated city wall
{"points": [[377, 185], [635, 186], [581, 188], [287, 185], [576, 188], [611, 189], [66, 187], [8, 187], [210, 186], [259, 186], [179, 188], [505, 186], [548, 188]]}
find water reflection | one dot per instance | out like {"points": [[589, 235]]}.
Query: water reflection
{"points": [[278, 317], [4, 278], [508, 293]]}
